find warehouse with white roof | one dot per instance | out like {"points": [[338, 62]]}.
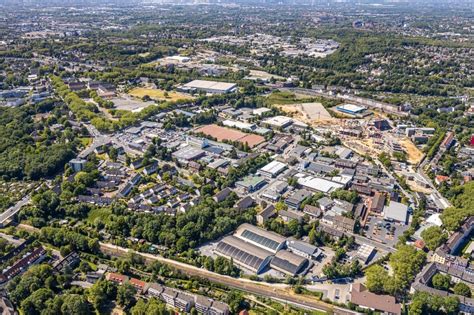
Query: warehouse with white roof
{"points": [[351, 109], [314, 183], [272, 169], [278, 122], [213, 87]]}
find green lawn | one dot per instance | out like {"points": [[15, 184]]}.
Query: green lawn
{"points": [[99, 213], [282, 98], [85, 141]]}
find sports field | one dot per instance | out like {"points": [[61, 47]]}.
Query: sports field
{"points": [[157, 94], [222, 133]]}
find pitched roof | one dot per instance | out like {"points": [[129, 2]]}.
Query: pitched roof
{"points": [[361, 296]]}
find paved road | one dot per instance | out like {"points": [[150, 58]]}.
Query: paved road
{"points": [[98, 140], [420, 170], [10, 212], [12, 240], [276, 292], [364, 240]]}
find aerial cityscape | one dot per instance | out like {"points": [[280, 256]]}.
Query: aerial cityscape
{"points": [[236, 157]]}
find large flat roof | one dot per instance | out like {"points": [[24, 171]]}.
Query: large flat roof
{"points": [[396, 211], [210, 85], [250, 181], [273, 167], [319, 184], [351, 108], [242, 252], [278, 121], [260, 237], [188, 153]]}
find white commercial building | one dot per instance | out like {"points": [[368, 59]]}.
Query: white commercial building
{"points": [[318, 184], [213, 87], [272, 169], [278, 121]]}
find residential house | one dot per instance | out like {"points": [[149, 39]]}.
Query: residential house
{"points": [[222, 195], [265, 214]]}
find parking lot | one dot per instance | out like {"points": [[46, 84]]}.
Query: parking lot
{"points": [[383, 231], [317, 270], [127, 103]]}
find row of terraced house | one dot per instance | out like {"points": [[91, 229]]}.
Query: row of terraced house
{"points": [[172, 297]]}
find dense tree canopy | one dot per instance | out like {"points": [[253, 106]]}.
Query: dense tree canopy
{"points": [[433, 237], [23, 155]]}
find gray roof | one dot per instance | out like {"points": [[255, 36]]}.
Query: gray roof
{"points": [[396, 211], [242, 252], [264, 238], [289, 263], [188, 153], [299, 196], [320, 167], [325, 202], [222, 307], [291, 215], [268, 212], [304, 247]]}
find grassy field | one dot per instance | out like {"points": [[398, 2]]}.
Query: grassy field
{"points": [[85, 141], [99, 213], [283, 98], [157, 94]]}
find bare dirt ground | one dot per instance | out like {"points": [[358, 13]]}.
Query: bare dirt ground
{"points": [[414, 154], [415, 187], [363, 146], [310, 113]]}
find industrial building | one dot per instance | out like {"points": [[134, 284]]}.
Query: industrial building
{"points": [[396, 211], [188, 153], [319, 184], [295, 200], [266, 240], [303, 249], [278, 122], [251, 183], [244, 253], [351, 109], [272, 169], [212, 87], [289, 263]]}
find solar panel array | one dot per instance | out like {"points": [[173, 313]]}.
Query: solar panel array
{"points": [[266, 242], [287, 266], [239, 255]]}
